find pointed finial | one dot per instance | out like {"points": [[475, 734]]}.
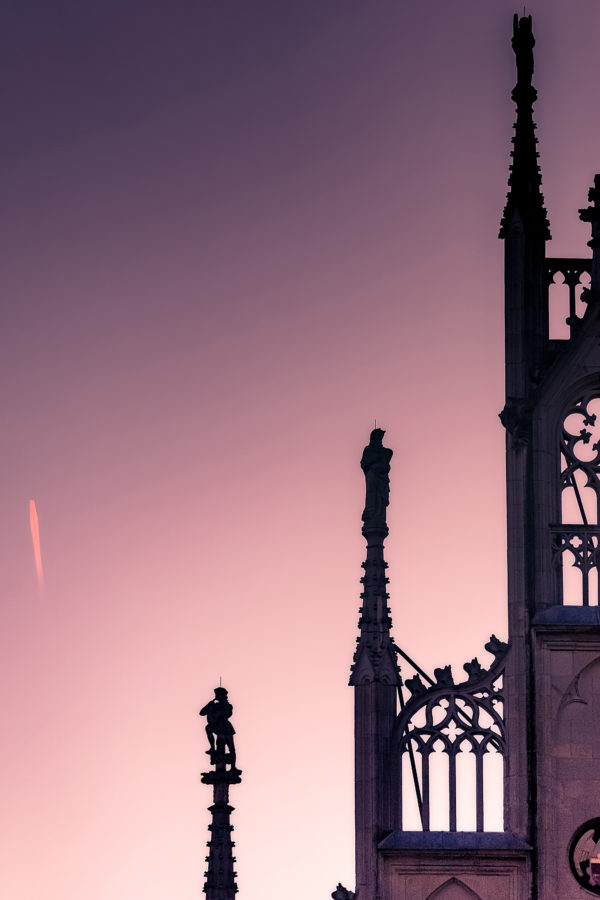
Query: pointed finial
{"points": [[524, 195]]}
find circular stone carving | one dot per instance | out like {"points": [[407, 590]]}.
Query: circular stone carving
{"points": [[584, 856]]}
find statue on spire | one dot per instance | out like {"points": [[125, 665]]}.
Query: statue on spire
{"points": [[220, 875], [375, 463], [523, 43], [220, 731]]}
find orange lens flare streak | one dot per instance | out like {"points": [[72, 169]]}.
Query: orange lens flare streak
{"points": [[34, 525]]}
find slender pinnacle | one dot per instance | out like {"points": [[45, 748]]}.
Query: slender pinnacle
{"points": [[524, 184]]}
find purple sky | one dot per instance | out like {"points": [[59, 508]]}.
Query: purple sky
{"points": [[233, 234]]}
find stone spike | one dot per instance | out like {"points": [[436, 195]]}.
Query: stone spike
{"points": [[524, 184]]}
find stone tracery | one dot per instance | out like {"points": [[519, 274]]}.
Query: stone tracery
{"points": [[577, 539], [448, 718]]}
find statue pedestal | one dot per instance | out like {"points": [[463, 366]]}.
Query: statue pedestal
{"points": [[221, 774], [224, 776]]}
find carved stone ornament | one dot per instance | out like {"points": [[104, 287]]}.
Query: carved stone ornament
{"points": [[496, 647], [342, 893], [474, 670], [516, 418], [415, 685], [523, 43], [375, 463], [443, 676], [584, 856], [220, 732]]}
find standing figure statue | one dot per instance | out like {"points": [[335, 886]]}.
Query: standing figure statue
{"points": [[219, 729], [522, 43], [375, 463]]}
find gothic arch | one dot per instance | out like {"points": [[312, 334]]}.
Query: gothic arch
{"points": [[576, 721], [453, 889], [448, 719], [574, 691], [577, 375]]}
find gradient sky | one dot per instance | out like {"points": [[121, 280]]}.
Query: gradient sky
{"points": [[233, 235]]}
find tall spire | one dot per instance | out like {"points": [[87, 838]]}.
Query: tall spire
{"points": [[220, 875], [375, 679], [374, 658], [524, 184]]}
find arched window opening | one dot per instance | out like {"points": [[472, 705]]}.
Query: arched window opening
{"points": [[438, 779], [568, 280], [451, 754], [493, 790], [558, 308], [466, 793], [410, 776]]}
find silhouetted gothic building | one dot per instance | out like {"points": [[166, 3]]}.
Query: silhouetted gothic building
{"points": [[436, 762], [489, 789]]}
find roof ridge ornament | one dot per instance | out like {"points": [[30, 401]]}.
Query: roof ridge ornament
{"points": [[524, 195]]}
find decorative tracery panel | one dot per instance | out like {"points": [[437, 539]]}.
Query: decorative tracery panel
{"points": [[459, 724], [576, 541]]}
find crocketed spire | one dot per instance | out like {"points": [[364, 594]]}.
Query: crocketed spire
{"points": [[374, 658], [524, 184]]}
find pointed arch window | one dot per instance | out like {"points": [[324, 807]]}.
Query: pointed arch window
{"points": [[451, 745], [576, 541]]}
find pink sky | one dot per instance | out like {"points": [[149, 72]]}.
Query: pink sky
{"points": [[234, 234]]}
